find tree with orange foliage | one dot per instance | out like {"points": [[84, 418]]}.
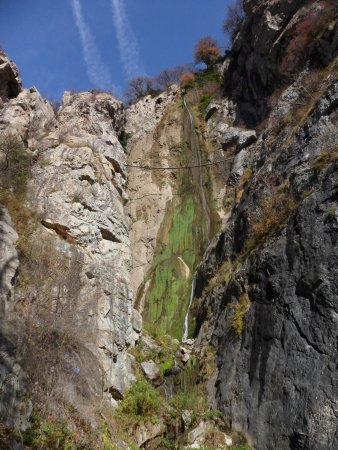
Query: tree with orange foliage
{"points": [[207, 51], [187, 78]]}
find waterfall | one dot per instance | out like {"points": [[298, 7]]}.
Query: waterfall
{"points": [[194, 142], [186, 319], [195, 146]]}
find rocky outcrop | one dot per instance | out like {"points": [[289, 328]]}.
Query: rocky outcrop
{"points": [[275, 41], [80, 189], [15, 409], [9, 261], [78, 192], [152, 372], [200, 436], [10, 83]]}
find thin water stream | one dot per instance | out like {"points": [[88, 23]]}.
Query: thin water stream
{"points": [[195, 146]]}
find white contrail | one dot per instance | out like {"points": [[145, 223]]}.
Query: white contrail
{"points": [[97, 71], [128, 47]]}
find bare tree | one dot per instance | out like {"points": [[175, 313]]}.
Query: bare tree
{"points": [[171, 76], [138, 87], [234, 17]]}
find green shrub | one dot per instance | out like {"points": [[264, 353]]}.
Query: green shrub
{"points": [[141, 402], [14, 164], [239, 309], [167, 364], [50, 434], [53, 433], [194, 400], [204, 103], [207, 75], [124, 138]]}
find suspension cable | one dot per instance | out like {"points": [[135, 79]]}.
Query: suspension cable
{"points": [[180, 167]]}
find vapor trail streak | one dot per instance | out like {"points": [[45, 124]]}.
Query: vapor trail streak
{"points": [[97, 71], [128, 47]]}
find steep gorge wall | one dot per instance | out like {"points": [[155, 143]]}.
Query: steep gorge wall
{"points": [[266, 289], [172, 213], [72, 286], [266, 292]]}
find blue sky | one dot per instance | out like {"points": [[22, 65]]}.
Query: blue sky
{"points": [[60, 45]]}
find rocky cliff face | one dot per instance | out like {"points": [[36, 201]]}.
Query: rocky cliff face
{"points": [[267, 288], [153, 125], [74, 276], [9, 75], [282, 283], [232, 205], [79, 187], [277, 39]]}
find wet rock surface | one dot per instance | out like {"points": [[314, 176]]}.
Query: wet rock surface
{"points": [[153, 126]]}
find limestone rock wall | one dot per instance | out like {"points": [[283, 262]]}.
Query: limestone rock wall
{"points": [[154, 126], [77, 193], [13, 406], [80, 186]]}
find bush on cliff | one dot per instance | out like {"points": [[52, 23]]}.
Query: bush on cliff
{"points": [[140, 403]]}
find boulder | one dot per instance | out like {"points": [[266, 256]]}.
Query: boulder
{"points": [[207, 433], [186, 417], [228, 136], [147, 432], [137, 321], [152, 372]]}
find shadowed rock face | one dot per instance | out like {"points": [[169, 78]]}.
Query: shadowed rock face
{"points": [[277, 380], [276, 377], [260, 60], [10, 83]]}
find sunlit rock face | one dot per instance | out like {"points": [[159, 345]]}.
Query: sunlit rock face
{"points": [[154, 129], [77, 192], [81, 185]]}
